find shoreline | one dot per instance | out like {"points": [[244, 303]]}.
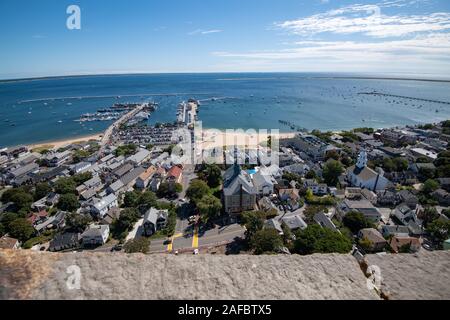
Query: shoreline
{"points": [[60, 143]]}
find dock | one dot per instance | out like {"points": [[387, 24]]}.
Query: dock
{"points": [[375, 93]]}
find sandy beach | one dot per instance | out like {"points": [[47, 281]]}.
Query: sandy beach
{"points": [[62, 143], [211, 139], [215, 138]]}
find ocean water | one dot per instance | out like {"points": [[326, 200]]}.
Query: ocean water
{"points": [[45, 109]]}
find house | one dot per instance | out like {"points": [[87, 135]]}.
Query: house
{"points": [[418, 168], [377, 242], [311, 145], [48, 201], [175, 174], [102, 207], [294, 222], [408, 198], [130, 178], [442, 196], [122, 170], [274, 224], [363, 206], [360, 175], [318, 189], [111, 215], [80, 167], [9, 243], [297, 168], [138, 158], [324, 221], [263, 182], [58, 158], [58, 221], [423, 153], [116, 187], [239, 191], [95, 235], [154, 220], [395, 230], [404, 244], [154, 184], [291, 197], [36, 218], [20, 175], [409, 218], [65, 241], [88, 194], [266, 205], [144, 178], [94, 183]]}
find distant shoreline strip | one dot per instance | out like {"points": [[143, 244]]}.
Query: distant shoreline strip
{"points": [[114, 96]]}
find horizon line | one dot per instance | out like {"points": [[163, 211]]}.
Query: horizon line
{"points": [[345, 75]]}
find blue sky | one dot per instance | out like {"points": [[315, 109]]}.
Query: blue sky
{"points": [[398, 36]]}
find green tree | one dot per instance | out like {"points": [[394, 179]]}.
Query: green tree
{"points": [[125, 150], [428, 215], [130, 199], [209, 207], [22, 200], [65, 185], [21, 229], [331, 172], [125, 223], [439, 230], [253, 221], [146, 200], [356, 221], [212, 174], [140, 245], [81, 178], [77, 222], [197, 190], [68, 202], [315, 239], [430, 186], [265, 241], [41, 190]]}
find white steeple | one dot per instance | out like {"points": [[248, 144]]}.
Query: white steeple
{"points": [[362, 159]]}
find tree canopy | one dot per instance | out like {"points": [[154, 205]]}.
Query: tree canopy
{"points": [[68, 202], [77, 222], [211, 174], [140, 245], [356, 221], [331, 172], [209, 207], [197, 190], [265, 241], [21, 229], [315, 239]]}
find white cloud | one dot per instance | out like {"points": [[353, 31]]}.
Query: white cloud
{"points": [[201, 31], [425, 53], [368, 20]]}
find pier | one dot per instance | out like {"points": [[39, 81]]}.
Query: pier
{"points": [[374, 93], [106, 139]]}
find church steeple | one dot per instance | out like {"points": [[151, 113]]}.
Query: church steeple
{"points": [[362, 160]]}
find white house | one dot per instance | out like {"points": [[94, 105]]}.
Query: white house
{"points": [[95, 235], [263, 182], [360, 175], [102, 207]]}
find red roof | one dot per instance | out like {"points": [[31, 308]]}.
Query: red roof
{"points": [[175, 172], [36, 216]]}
